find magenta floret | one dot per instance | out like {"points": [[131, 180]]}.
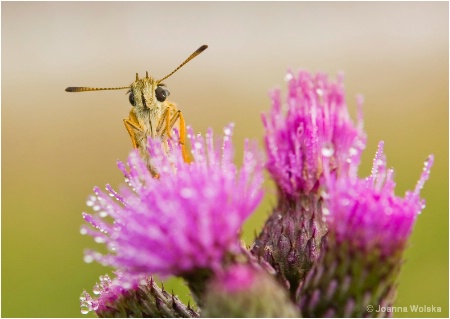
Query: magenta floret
{"points": [[316, 125], [368, 214], [186, 219]]}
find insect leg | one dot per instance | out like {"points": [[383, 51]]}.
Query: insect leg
{"points": [[132, 128], [164, 118], [178, 116], [183, 138]]}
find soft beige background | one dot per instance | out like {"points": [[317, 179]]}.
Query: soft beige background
{"points": [[56, 146]]}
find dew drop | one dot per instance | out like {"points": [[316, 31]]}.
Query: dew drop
{"points": [[90, 201], [88, 259], [99, 240], [324, 194], [353, 151], [186, 193], [279, 216], [198, 145], [97, 289], [288, 77], [83, 231], [227, 131], [84, 310], [325, 211], [103, 214], [328, 150], [345, 202], [319, 92]]}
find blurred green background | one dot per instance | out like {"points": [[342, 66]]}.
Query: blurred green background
{"points": [[56, 146]]}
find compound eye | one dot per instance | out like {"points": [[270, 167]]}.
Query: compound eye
{"points": [[161, 93], [131, 98]]}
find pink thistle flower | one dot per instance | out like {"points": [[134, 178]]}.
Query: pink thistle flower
{"points": [[317, 125], [185, 220], [369, 227], [315, 129], [367, 214]]}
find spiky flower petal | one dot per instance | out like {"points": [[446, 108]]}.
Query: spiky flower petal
{"points": [[186, 219], [369, 227]]}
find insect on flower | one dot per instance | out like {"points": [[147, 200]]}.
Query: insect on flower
{"points": [[151, 115]]}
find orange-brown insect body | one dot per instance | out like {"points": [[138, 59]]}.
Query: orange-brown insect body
{"points": [[151, 114], [150, 117]]}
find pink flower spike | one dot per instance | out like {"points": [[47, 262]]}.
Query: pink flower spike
{"points": [[367, 214], [186, 219], [315, 134]]}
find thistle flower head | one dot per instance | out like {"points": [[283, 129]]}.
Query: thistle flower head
{"points": [[368, 230], [367, 214], [317, 125], [186, 219]]}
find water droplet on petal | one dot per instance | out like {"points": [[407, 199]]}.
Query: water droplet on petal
{"points": [[84, 310], [97, 290], [288, 77], [353, 151], [328, 150], [88, 259], [186, 192], [99, 240], [325, 211], [90, 201]]}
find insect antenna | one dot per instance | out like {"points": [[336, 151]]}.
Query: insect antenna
{"points": [[85, 89], [193, 55]]}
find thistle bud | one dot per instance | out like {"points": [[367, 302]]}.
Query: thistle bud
{"points": [[245, 291]]}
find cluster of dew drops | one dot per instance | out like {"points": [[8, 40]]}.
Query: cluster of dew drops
{"points": [[87, 303]]}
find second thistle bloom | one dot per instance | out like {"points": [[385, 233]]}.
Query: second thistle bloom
{"points": [[369, 227], [316, 125], [187, 219], [311, 128]]}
